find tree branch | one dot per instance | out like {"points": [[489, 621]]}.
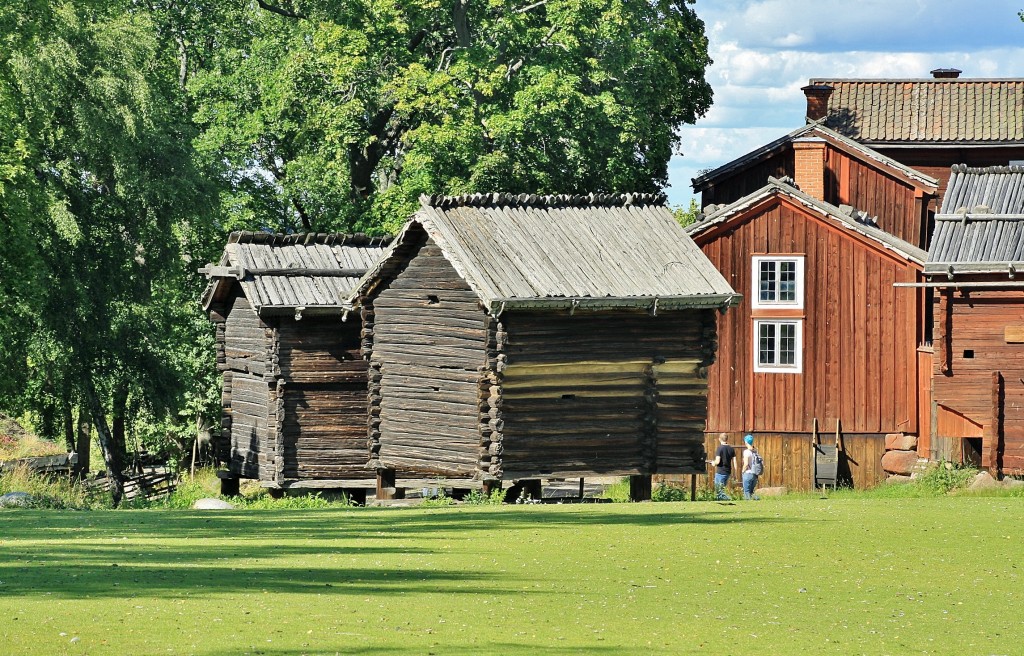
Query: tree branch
{"points": [[279, 11], [523, 10]]}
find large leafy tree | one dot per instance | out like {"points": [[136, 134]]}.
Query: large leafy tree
{"points": [[98, 177], [338, 115]]}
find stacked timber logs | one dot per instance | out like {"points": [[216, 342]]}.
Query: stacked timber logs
{"points": [[489, 402], [428, 344], [373, 386]]}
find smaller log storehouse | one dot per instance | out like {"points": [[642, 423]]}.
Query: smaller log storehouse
{"points": [[976, 262], [522, 338], [294, 383]]}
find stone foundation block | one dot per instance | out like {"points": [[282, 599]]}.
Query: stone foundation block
{"points": [[900, 442], [899, 462]]}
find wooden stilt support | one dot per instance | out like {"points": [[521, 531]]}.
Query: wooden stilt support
{"points": [[640, 487], [693, 487], [386, 485], [229, 486]]}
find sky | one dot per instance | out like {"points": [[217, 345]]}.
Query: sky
{"points": [[765, 50]]}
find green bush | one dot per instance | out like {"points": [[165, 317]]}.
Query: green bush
{"points": [[47, 492], [617, 492], [666, 492], [478, 498]]}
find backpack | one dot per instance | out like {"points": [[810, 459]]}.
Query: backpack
{"points": [[756, 463]]}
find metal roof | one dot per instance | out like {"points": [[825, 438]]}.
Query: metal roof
{"points": [[999, 189], [315, 271], [847, 145], [927, 111], [842, 218], [984, 243], [591, 252]]}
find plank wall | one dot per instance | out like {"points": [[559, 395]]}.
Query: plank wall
{"points": [[852, 182], [428, 349], [604, 393], [975, 344], [859, 333], [252, 443], [937, 162], [749, 179], [789, 458], [324, 399]]}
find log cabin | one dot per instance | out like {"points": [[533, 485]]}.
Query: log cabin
{"points": [[929, 124], [822, 337], [294, 382], [833, 168], [974, 262], [520, 338]]}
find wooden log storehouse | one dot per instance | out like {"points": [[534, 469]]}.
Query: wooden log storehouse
{"points": [[294, 383], [516, 337], [976, 263]]}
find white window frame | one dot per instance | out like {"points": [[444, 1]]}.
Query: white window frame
{"points": [[755, 275], [798, 358]]}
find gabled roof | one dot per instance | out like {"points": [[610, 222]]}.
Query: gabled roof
{"points": [[836, 216], [315, 272], [591, 252], [927, 111], [998, 188], [815, 129], [981, 227]]}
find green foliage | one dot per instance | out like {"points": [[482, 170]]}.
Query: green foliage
{"points": [[687, 216], [946, 477], [439, 500], [617, 492], [340, 119], [665, 492], [478, 498], [47, 492]]}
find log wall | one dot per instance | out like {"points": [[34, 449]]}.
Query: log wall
{"points": [[748, 180], [983, 335], [252, 443], [247, 340], [604, 393], [427, 359]]}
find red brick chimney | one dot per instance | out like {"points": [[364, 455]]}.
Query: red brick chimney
{"points": [[817, 100], [809, 166]]}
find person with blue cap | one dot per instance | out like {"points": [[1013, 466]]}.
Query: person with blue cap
{"points": [[753, 467]]}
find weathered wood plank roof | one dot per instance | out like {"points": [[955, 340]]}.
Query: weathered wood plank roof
{"points": [[988, 190], [813, 129], [958, 111], [847, 219], [981, 226], [316, 271], [595, 251]]}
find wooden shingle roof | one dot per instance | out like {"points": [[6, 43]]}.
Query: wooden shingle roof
{"points": [[847, 219], [1000, 189], [591, 252], [981, 226], [950, 111], [285, 272]]}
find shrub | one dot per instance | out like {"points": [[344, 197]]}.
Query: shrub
{"points": [[617, 492], [478, 498], [54, 493], [665, 492]]}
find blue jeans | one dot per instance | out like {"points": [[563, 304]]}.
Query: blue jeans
{"points": [[720, 482], [749, 483]]}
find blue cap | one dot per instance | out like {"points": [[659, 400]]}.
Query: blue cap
{"points": [[749, 439]]}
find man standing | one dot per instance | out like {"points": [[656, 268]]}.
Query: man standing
{"points": [[725, 457]]}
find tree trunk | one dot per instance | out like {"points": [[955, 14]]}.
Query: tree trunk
{"points": [[83, 443], [119, 412], [106, 439], [69, 426]]}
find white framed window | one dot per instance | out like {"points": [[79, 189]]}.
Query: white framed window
{"points": [[778, 281], [778, 345]]}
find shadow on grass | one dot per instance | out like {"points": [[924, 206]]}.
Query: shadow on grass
{"points": [[140, 553], [447, 648]]}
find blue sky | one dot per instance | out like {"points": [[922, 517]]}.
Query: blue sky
{"points": [[765, 50]]}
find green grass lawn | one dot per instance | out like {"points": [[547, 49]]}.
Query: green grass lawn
{"points": [[791, 576]]}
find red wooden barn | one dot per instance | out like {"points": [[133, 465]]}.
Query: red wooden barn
{"points": [[977, 263], [929, 124], [821, 334]]}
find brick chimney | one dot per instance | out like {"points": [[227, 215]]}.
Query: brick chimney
{"points": [[817, 100], [809, 166], [946, 73]]}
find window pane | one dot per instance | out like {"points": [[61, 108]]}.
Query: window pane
{"points": [[787, 281], [767, 278], [766, 343], [787, 343]]}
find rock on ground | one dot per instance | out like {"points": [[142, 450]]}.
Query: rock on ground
{"points": [[212, 504], [770, 491], [16, 500], [984, 481]]}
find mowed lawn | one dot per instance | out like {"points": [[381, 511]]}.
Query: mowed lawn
{"points": [[790, 576]]}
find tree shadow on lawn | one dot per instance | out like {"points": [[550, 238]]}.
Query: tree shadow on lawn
{"points": [[446, 648], [142, 553]]}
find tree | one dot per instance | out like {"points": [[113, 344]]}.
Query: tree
{"points": [[116, 211], [336, 116]]}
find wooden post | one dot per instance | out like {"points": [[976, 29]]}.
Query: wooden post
{"points": [[581, 488], [693, 487], [386, 485], [993, 430], [489, 486], [942, 329], [640, 487], [229, 486]]}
